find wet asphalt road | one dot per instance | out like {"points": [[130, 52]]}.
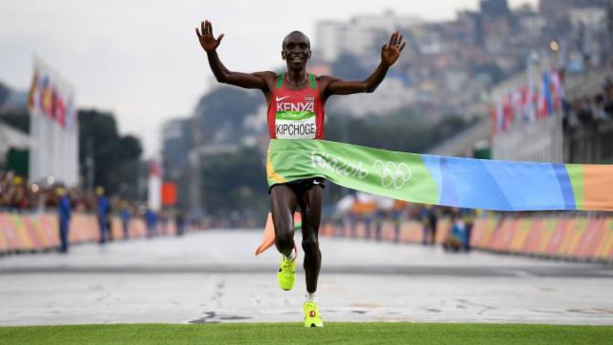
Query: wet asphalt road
{"points": [[213, 276]]}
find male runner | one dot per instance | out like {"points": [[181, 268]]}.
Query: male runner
{"points": [[296, 103]]}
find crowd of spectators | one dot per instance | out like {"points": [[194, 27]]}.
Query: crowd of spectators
{"points": [[17, 194], [590, 110], [14, 193]]}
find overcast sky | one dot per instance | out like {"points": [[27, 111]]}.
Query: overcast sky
{"points": [[141, 59]]}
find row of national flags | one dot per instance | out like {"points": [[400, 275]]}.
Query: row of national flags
{"points": [[534, 97], [50, 97], [54, 128]]}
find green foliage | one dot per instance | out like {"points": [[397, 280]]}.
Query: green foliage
{"points": [[235, 183], [18, 116], [115, 157], [17, 120], [221, 113], [294, 333], [348, 67], [4, 93], [403, 131]]}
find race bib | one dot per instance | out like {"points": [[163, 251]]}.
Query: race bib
{"points": [[295, 125]]}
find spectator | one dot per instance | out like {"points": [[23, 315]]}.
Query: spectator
{"points": [[468, 216], [429, 220], [64, 213], [151, 221], [103, 210], [180, 222], [126, 214], [598, 105], [456, 238], [584, 111]]}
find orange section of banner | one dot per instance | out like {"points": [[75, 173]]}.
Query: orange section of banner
{"points": [[24, 241], [387, 231], [39, 231], [569, 237], [138, 228], [32, 228], [35, 223], [557, 237], [443, 227], [6, 235], [50, 229], [78, 228], [483, 231], [410, 232], [605, 249], [589, 239], [521, 234], [598, 187], [501, 240], [116, 229], [574, 231], [533, 240]]}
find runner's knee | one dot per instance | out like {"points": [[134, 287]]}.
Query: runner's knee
{"points": [[284, 240], [310, 244]]}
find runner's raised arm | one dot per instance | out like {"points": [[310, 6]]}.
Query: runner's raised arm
{"points": [[223, 75], [389, 55]]}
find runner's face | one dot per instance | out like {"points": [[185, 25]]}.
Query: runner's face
{"points": [[296, 51]]}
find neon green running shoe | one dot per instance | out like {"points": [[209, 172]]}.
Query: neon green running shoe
{"points": [[312, 318], [287, 273]]}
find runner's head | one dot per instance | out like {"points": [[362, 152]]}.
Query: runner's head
{"points": [[296, 50]]}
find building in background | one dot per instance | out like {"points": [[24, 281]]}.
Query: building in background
{"points": [[176, 145], [360, 35]]}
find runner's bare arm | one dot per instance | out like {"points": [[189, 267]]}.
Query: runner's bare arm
{"points": [[209, 44], [389, 55]]}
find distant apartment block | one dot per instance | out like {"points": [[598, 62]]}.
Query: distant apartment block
{"points": [[360, 35]]}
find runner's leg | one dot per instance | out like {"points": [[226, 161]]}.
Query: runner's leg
{"points": [[283, 205], [310, 202]]}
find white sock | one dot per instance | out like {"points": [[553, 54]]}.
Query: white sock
{"points": [[310, 297], [291, 255]]}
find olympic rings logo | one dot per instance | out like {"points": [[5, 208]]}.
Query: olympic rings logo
{"points": [[393, 174]]}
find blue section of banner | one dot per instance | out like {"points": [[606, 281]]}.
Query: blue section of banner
{"points": [[449, 193], [501, 185], [529, 186], [474, 184], [566, 186]]}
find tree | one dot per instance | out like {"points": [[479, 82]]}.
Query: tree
{"points": [[4, 93], [348, 67], [223, 110], [17, 120], [235, 183], [115, 157]]}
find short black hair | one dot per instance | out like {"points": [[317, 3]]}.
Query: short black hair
{"points": [[294, 33]]}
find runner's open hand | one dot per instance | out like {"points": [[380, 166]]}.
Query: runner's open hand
{"points": [[391, 50], [208, 42]]}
